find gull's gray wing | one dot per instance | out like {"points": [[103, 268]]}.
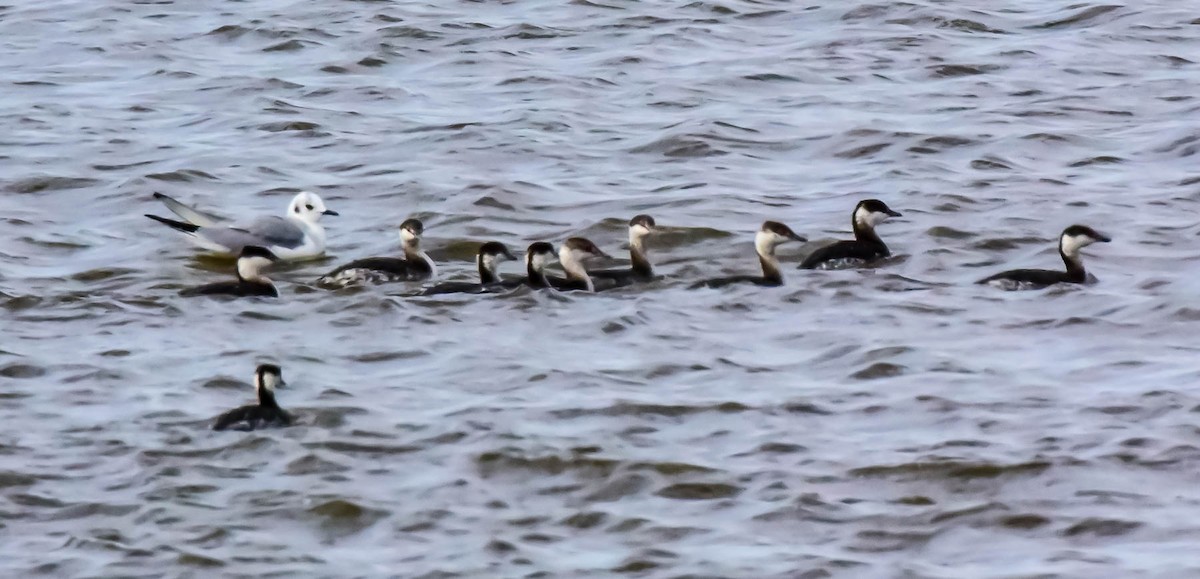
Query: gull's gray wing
{"points": [[228, 239], [189, 214], [277, 231], [269, 232]]}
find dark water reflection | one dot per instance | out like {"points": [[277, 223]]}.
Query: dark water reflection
{"points": [[895, 422]]}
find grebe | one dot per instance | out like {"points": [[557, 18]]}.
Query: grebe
{"points": [[250, 281], [414, 266], [769, 236], [1073, 239], [866, 245], [266, 413]]}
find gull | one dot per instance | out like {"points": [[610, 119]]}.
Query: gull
{"points": [[295, 236]]}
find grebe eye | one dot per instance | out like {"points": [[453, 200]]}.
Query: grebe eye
{"points": [[309, 206]]}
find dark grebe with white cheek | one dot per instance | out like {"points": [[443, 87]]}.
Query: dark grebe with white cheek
{"points": [[866, 245], [1073, 239], [265, 414], [250, 280], [573, 256], [486, 261], [414, 266], [772, 234], [640, 270], [537, 257]]}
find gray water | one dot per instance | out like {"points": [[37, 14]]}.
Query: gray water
{"points": [[892, 422]]}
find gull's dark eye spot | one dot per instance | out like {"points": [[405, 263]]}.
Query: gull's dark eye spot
{"points": [[297, 210], [309, 206]]}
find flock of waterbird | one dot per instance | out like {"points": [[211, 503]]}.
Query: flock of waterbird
{"points": [[298, 235]]}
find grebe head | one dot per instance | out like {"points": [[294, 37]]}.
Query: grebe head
{"points": [[539, 254], [640, 227], [871, 212], [411, 231], [252, 260], [774, 233], [1077, 237], [268, 377], [492, 253], [579, 250]]}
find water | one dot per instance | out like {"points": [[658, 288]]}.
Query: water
{"points": [[895, 422]]}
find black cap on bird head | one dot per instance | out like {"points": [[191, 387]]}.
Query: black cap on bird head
{"points": [[540, 248], [781, 230], [584, 245], [257, 251], [643, 220], [268, 376], [495, 249], [1084, 231], [876, 206], [413, 226]]}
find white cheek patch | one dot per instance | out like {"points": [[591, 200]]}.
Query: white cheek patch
{"points": [[1071, 244], [249, 267], [861, 215], [765, 242], [638, 231], [573, 260], [870, 218], [269, 382], [406, 235], [538, 261], [490, 261]]}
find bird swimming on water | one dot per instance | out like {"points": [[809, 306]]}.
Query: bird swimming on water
{"points": [[416, 265], [295, 236], [1072, 239], [866, 245], [265, 414], [490, 255], [573, 256], [537, 256], [772, 234], [250, 280], [640, 270]]}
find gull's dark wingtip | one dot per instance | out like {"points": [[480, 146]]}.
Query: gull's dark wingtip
{"points": [[181, 226]]}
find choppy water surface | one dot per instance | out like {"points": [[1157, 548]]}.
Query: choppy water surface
{"points": [[897, 422]]}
